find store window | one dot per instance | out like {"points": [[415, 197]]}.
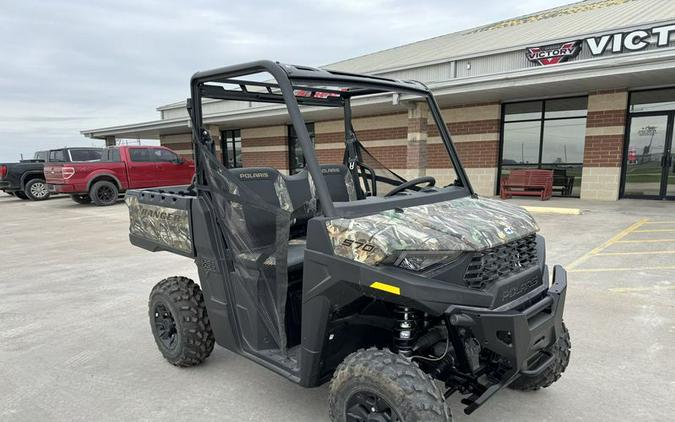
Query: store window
{"points": [[231, 147], [655, 100], [296, 160], [546, 134]]}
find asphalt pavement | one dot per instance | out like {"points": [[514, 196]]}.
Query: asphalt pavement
{"points": [[75, 342]]}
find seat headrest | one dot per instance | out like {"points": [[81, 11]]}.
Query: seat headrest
{"points": [[336, 177], [263, 181]]}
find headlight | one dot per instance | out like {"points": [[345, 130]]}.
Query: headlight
{"points": [[424, 260]]}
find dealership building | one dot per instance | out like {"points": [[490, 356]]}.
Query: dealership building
{"points": [[586, 90]]}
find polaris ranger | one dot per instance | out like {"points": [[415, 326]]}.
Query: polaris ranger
{"points": [[401, 291]]}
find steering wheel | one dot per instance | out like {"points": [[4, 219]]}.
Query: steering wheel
{"points": [[430, 181]]}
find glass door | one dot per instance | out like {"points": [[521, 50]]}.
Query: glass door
{"points": [[670, 169], [648, 159]]}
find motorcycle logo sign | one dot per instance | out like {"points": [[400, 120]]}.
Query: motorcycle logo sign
{"points": [[555, 53]]}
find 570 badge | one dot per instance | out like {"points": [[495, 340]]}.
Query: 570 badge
{"points": [[366, 247]]}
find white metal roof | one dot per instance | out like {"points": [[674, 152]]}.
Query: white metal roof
{"points": [[573, 20]]}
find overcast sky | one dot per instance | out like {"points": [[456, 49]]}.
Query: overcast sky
{"points": [[69, 65]]}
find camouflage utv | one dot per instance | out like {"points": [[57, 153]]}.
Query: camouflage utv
{"points": [[401, 290]]}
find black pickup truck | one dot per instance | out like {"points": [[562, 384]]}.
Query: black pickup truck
{"points": [[26, 179]]}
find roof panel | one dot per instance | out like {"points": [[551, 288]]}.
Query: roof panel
{"points": [[573, 20]]}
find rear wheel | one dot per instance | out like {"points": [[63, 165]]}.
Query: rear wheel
{"points": [[104, 193], [20, 195], [81, 199], [179, 321], [380, 386], [36, 190], [560, 350]]}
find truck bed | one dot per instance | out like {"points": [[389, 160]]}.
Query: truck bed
{"points": [[160, 219]]}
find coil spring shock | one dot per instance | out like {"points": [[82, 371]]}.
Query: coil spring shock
{"points": [[407, 323]]}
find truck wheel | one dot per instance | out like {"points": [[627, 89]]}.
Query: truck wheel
{"points": [[104, 193], [378, 385], [36, 190], [81, 199], [20, 195], [561, 350], [179, 321]]}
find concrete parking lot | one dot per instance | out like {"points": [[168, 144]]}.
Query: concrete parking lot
{"points": [[75, 343]]}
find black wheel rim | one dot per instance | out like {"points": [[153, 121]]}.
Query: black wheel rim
{"points": [[366, 406], [105, 194], [165, 325]]}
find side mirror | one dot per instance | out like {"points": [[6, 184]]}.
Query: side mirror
{"points": [[179, 160]]}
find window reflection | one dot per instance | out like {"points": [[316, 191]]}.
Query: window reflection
{"points": [[564, 141], [547, 134], [522, 111], [521, 142], [658, 100]]}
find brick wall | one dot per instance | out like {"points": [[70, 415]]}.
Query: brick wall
{"points": [[265, 146], [180, 143], [401, 141], [603, 151], [604, 118]]}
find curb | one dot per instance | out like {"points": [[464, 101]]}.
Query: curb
{"points": [[553, 210]]}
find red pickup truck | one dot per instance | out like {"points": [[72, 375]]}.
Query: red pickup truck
{"points": [[120, 168]]}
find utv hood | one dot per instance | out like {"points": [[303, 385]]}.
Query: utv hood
{"points": [[464, 224]]}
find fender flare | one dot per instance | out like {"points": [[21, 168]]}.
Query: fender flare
{"points": [[94, 176], [29, 175]]}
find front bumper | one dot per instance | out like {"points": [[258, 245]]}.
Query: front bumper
{"points": [[518, 332]]}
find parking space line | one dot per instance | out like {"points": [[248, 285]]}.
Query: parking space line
{"points": [[645, 241], [660, 222], [625, 232], [604, 270], [640, 289], [634, 253], [654, 231]]}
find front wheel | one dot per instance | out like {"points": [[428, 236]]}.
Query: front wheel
{"points": [[104, 193], [561, 351], [378, 385], [36, 190], [179, 321], [20, 195], [81, 199]]}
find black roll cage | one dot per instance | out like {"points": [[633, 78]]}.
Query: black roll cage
{"points": [[290, 78]]}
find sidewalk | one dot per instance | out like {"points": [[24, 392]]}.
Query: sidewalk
{"points": [[637, 207]]}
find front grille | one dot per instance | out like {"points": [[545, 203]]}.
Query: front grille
{"points": [[501, 261]]}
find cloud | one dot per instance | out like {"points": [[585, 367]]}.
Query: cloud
{"points": [[77, 64]]}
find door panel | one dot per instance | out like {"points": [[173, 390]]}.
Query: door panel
{"points": [[647, 143], [141, 168], [173, 171]]}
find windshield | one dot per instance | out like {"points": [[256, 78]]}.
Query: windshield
{"points": [[400, 143]]}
